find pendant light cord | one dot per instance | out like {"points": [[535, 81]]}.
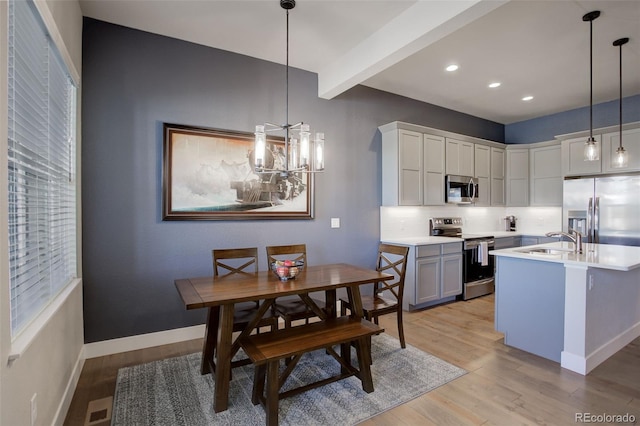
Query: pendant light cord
{"points": [[591, 79], [621, 94], [287, 79]]}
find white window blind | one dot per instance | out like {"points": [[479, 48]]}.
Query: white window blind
{"points": [[42, 189]]}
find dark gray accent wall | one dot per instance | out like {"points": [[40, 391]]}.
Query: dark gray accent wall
{"points": [[546, 128], [133, 82]]}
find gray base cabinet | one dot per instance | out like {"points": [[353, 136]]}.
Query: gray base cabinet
{"points": [[434, 275], [507, 242]]}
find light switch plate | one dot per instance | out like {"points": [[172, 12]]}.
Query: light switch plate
{"points": [[335, 222]]}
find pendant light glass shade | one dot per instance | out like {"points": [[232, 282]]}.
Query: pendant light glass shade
{"points": [[621, 159], [591, 150], [591, 146]]}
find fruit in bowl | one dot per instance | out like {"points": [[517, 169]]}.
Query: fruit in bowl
{"points": [[287, 269]]}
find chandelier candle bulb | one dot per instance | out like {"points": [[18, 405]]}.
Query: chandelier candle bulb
{"points": [[293, 158], [319, 145], [304, 145], [260, 146]]}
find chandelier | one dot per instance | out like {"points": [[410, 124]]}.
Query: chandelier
{"points": [[302, 154]]}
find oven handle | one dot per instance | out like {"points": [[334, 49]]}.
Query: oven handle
{"points": [[481, 282], [474, 244]]}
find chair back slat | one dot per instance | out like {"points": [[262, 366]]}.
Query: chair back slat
{"points": [[229, 261], [392, 260], [292, 252]]}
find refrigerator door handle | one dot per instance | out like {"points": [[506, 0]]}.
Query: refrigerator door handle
{"points": [[590, 221], [596, 221]]}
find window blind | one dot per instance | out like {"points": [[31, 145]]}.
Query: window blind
{"points": [[41, 155]]}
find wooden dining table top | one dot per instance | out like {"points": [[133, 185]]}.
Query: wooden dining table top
{"points": [[211, 291]]}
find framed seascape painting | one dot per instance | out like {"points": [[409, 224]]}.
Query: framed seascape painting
{"points": [[208, 174]]}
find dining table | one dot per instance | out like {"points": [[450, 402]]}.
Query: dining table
{"points": [[220, 294]]}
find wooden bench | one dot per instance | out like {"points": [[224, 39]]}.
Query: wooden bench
{"points": [[267, 349]]}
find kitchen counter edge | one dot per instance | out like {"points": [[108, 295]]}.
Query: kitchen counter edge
{"points": [[603, 256]]}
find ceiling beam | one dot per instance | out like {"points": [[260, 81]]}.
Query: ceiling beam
{"points": [[420, 25]]}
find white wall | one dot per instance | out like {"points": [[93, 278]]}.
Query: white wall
{"points": [[50, 365], [401, 222]]}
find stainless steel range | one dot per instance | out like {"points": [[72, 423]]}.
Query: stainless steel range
{"points": [[477, 265]]}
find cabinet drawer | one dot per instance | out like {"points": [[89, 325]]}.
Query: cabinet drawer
{"points": [[452, 248], [430, 250]]}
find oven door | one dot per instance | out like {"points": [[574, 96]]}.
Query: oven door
{"points": [[478, 279]]}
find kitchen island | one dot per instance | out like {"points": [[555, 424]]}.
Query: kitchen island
{"points": [[574, 308]]}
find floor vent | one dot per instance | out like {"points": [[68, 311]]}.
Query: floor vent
{"points": [[99, 411]]}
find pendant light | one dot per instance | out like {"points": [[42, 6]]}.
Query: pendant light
{"points": [[621, 158], [301, 154], [591, 147]]}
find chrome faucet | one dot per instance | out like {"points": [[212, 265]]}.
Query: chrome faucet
{"points": [[577, 239]]}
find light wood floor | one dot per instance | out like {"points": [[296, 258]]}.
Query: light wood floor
{"points": [[504, 386]]}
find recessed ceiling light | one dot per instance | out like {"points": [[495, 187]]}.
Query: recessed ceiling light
{"points": [[452, 67], [494, 85], [527, 98]]}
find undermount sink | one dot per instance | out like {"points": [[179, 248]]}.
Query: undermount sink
{"points": [[544, 251]]}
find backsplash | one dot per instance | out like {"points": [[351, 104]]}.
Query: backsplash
{"points": [[401, 222]]}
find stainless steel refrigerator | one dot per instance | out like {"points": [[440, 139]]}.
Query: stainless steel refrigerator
{"points": [[604, 210]]}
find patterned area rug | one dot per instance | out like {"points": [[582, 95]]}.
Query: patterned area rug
{"points": [[172, 391]]}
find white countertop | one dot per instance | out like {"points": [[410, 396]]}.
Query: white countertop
{"points": [[604, 256], [421, 241], [426, 240]]}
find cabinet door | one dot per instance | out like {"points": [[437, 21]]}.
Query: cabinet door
{"points": [[467, 159], [507, 242], [497, 177], [573, 163], [428, 278], [482, 160], [433, 170], [459, 157], [452, 156], [517, 177], [631, 144], [451, 275], [410, 168], [546, 176]]}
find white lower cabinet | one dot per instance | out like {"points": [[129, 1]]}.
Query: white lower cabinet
{"points": [[435, 276]]}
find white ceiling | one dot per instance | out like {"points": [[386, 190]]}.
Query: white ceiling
{"points": [[538, 48]]}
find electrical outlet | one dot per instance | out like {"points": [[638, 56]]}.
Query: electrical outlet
{"points": [[590, 281], [335, 222], [34, 408]]}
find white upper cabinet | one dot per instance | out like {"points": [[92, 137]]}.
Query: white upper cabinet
{"points": [[433, 193], [412, 168], [459, 157], [631, 144], [545, 176], [482, 162], [518, 177], [573, 163], [498, 176]]}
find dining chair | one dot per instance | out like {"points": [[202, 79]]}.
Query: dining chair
{"points": [[239, 261], [291, 309], [387, 295]]}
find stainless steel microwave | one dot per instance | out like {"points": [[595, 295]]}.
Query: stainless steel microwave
{"points": [[460, 189]]}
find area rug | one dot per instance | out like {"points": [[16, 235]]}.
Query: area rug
{"points": [[172, 392]]}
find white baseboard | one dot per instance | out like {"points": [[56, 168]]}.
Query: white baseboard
{"points": [[141, 341], [601, 354], [584, 364], [69, 390]]}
